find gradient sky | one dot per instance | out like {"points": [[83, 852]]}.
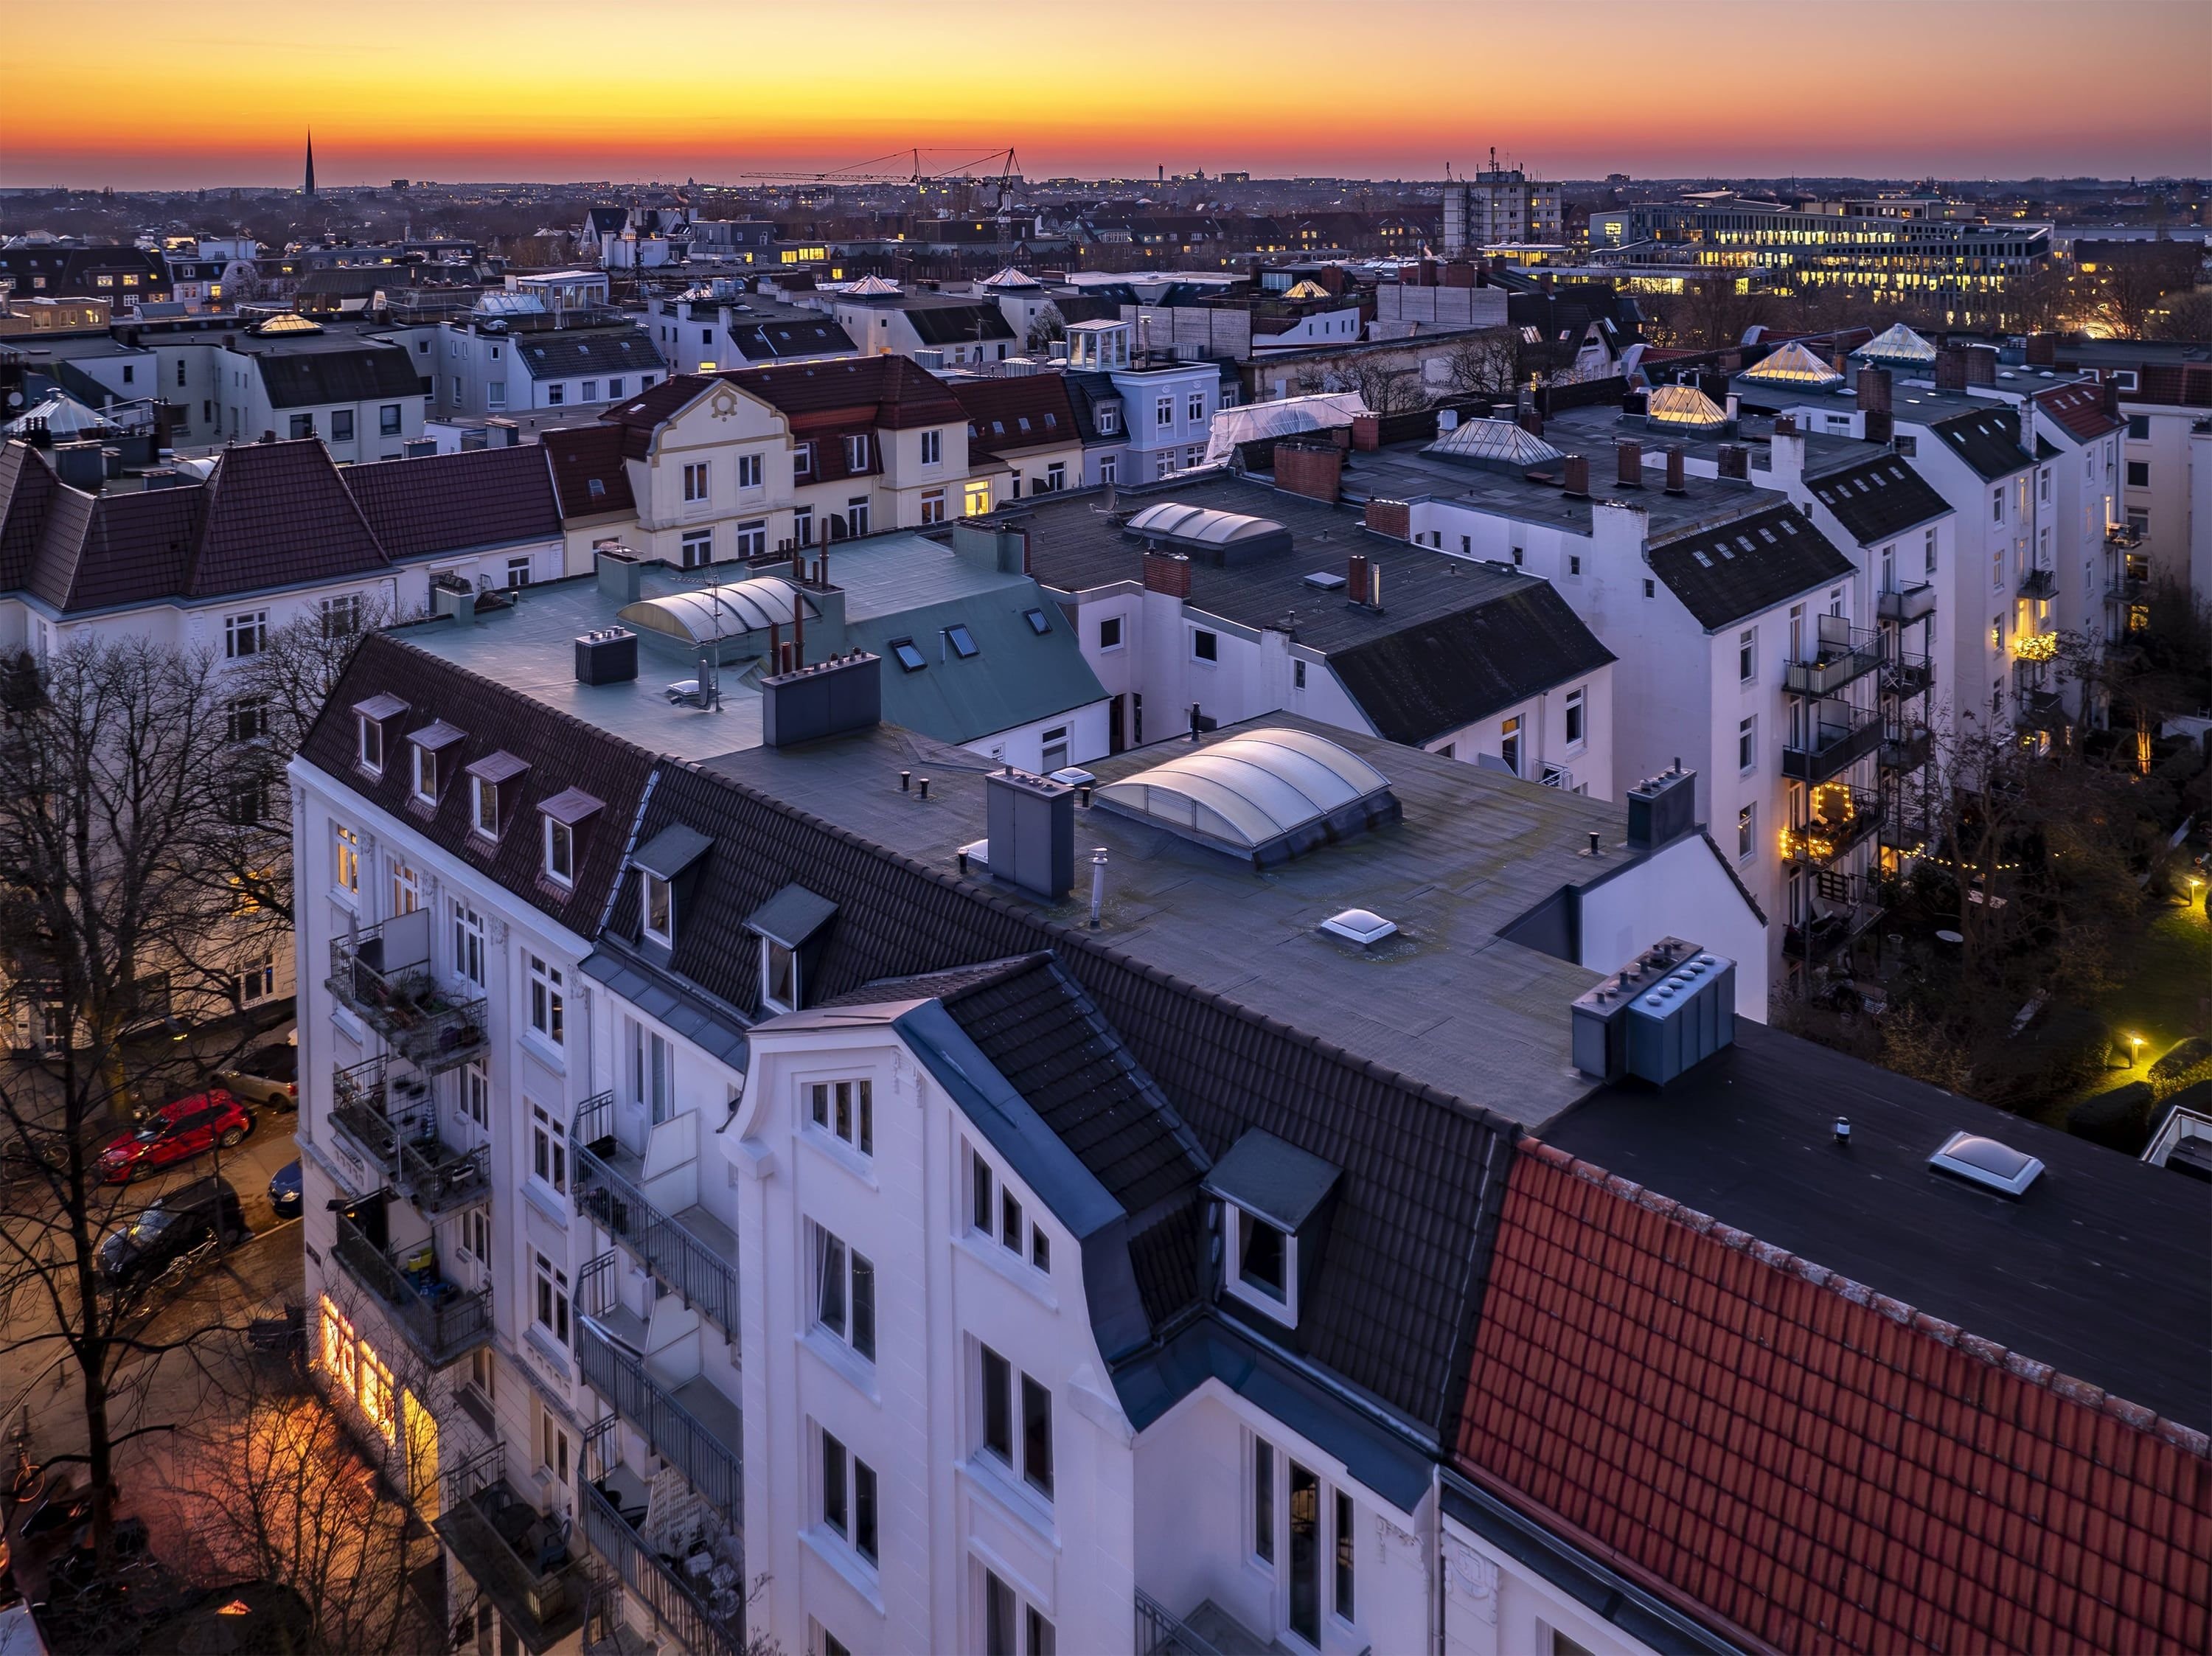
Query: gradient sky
{"points": [[670, 89]]}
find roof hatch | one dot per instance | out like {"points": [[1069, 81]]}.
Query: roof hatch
{"points": [[1986, 1162]]}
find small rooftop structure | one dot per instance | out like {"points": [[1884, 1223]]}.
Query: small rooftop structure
{"points": [[1219, 537], [1286, 416], [714, 612], [1500, 440], [1009, 277], [1898, 344], [872, 287], [1268, 795], [1684, 408], [1793, 365]]}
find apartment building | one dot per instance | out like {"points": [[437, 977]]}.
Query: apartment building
{"points": [[1029, 425], [923, 1238], [1499, 205], [1161, 411], [721, 326], [939, 330]]}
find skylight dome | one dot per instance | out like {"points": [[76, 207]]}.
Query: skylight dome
{"points": [[1009, 277], [872, 286], [719, 612], [1308, 288], [1171, 520], [1267, 796], [1495, 440], [1898, 343], [1793, 365], [1685, 408]]}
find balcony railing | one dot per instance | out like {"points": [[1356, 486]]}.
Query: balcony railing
{"points": [[1907, 748], [358, 1093], [2039, 583], [701, 1275], [1913, 603], [710, 1459], [524, 1562], [1842, 653], [418, 1020], [1907, 675], [442, 1320], [2042, 710], [1846, 819], [439, 1178], [2126, 536], [687, 1618], [1160, 1633], [1839, 736]]}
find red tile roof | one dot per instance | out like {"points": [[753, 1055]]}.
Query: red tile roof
{"points": [[2081, 408], [997, 408], [449, 502], [903, 393], [1808, 1465], [2185, 385], [278, 515], [581, 455]]}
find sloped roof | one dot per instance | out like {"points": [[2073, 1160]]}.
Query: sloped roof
{"points": [[58, 413], [958, 324], [594, 351], [278, 513], [1727, 571], [450, 502], [1987, 439], [352, 372], [1437, 675], [2079, 410], [1009, 277], [901, 392], [768, 340], [1877, 498], [583, 456], [870, 286], [1024, 411], [1809, 1462]]}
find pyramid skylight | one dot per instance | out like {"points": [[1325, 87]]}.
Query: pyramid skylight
{"points": [[1793, 365], [1896, 343], [1494, 440]]}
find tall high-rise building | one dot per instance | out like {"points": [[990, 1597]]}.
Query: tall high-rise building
{"points": [[1498, 205]]}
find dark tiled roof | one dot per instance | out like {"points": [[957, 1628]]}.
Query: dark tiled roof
{"points": [[448, 502], [1086, 394], [1745, 565], [902, 393], [958, 324], [582, 455], [1877, 498], [28, 489], [307, 377], [998, 408], [133, 546], [760, 342], [1391, 1309], [563, 753], [1424, 680], [1801, 1458], [1986, 439], [2081, 410], [563, 354], [2176, 385], [278, 514]]}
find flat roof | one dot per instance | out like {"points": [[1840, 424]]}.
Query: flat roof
{"points": [[1447, 1001], [2098, 1269]]}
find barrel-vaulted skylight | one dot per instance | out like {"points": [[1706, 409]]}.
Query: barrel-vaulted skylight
{"points": [[719, 612], [1268, 795]]}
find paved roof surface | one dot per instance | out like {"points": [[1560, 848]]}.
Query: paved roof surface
{"points": [[1448, 1002], [1809, 1459], [1725, 573], [1876, 497], [2079, 1273], [444, 503]]}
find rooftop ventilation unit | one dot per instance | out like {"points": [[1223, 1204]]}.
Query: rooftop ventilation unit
{"points": [[1665, 1011], [1361, 925], [608, 656], [1985, 1162]]}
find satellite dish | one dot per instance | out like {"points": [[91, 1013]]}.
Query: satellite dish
{"points": [[14, 399]]}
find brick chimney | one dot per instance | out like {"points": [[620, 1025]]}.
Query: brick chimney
{"points": [[1674, 473], [2111, 388], [1167, 572], [1366, 431], [1874, 390], [1355, 586], [1950, 368], [1630, 457], [1391, 518], [1981, 365], [1736, 462], [2042, 350], [1313, 470], [1529, 421], [1578, 475]]}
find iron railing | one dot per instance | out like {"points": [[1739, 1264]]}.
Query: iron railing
{"points": [[687, 1267], [2126, 536], [1915, 603], [2042, 710], [1906, 748], [2038, 583], [414, 1016], [439, 1178], [442, 1320], [546, 1588], [682, 1612], [713, 1467], [1854, 819], [1161, 1633], [1907, 675], [1842, 653], [358, 1104], [1839, 736]]}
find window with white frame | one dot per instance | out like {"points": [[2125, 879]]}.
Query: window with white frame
{"points": [[369, 744], [994, 1212], [933, 505], [1746, 655], [752, 471], [407, 890], [484, 807], [1012, 1626], [560, 852], [468, 943], [258, 981], [1747, 832], [1262, 1261], [549, 1149], [341, 615], [476, 1092], [856, 451], [549, 1302], [1576, 700], [552, 1445], [844, 1292], [779, 977], [1746, 745], [1196, 411], [548, 1008], [658, 911], [932, 448], [1016, 1420], [246, 717], [650, 1071], [1306, 1529], [846, 1497], [345, 868], [426, 780], [246, 634], [752, 538], [1164, 413], [802, 459], [846, 1110]]}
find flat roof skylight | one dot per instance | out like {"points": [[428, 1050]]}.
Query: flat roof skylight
{"points": [[1986, 1162]]}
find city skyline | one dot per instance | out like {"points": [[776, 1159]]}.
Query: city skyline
{"points": [[570, 97]]}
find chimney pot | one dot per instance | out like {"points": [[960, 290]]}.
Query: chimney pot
{"points": [[1355, 585], [1675, 484], [1578, 475], [905, 778], [921, 786]]}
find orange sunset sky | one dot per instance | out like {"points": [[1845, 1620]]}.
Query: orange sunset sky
{"points": [[669, 89]]}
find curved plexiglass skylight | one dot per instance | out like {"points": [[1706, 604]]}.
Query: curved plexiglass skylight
{"points": [[1254, 794], [1684, 407], [1896, 343], [1793, 365], [1495, 440], [718, 612], [1171, 520]]}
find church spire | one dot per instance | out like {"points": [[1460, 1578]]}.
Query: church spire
{"points": [[309, 190]]}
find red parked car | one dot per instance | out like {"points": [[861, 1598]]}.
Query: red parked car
{"points": [[176, 1132]]}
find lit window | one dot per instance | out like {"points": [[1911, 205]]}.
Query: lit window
{"points": [[347, 868]]}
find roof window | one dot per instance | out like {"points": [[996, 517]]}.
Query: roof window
{"points": [[1038, 622], [962, 640], [1986, 1162], [494, 785], [432, 766], [908, 657], [1361, 925], [1275, 1202]]}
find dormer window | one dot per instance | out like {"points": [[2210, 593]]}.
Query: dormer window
{"points": [[560, 852], [779, 977], [563, 816], [1263, 1263], [658, 899], [483, 813], [370, 753], [369, 720], [433, 764], [494, 786], [1275, 1201], [790, 926]]}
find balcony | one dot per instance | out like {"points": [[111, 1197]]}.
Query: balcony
{"points": [[1829, 935], [387, 983], [359, 1093], [692, 1426], [2038, 584], [692, 1254], [1914, 603], [1844, 653], [1906, 748], [1907, 675], [1839, 736], [519, 1558], [2124, 537], [440, 1179], [2041, 710], [705, 1624], [440, 1320], [1844, 818]]}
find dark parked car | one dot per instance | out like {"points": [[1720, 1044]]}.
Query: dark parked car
{"points": [[173, 1233], [269, 1077], [176, 1132], [285, 1190]]}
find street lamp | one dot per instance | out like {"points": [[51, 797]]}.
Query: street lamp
{"points": [[2196, 885], [2135, 1050]]}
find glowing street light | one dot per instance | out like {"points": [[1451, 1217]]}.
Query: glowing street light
{"points": [[2135, 1050], [2196, 885]]}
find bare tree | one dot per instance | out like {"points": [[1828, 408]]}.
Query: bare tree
{"points": [[2129, 284], [1383, 387], [1047, 328], [1486, 364], [119, 786]]}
